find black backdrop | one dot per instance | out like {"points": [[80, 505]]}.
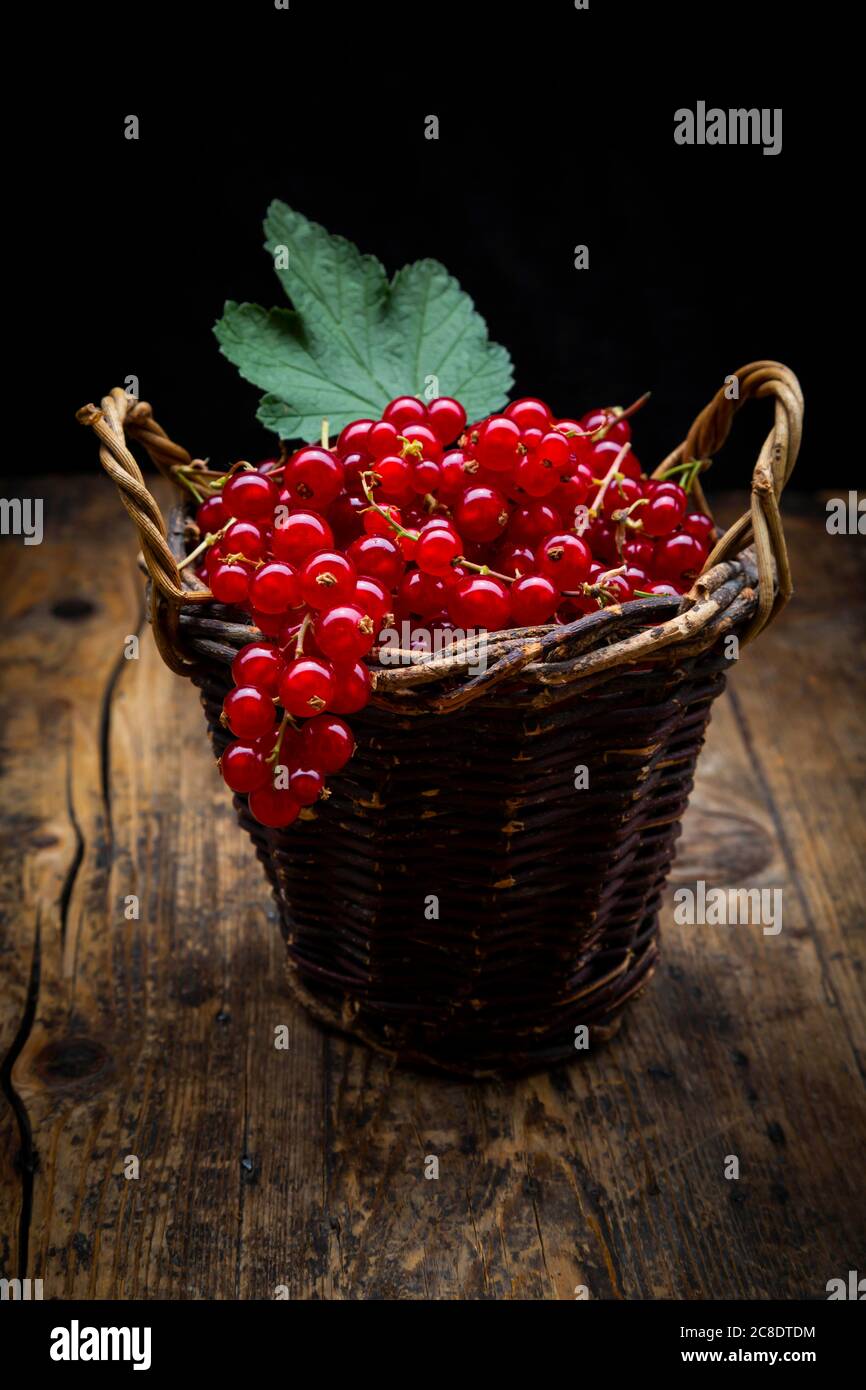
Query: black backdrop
{"points": [[556, 128]]}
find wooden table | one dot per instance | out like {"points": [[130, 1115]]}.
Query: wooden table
{"points": [[148, 1045]]}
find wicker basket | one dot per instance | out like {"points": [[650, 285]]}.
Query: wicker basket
{"points": [[457, 902]]}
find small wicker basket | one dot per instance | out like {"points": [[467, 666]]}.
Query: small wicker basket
{"points": [[457, 903]]}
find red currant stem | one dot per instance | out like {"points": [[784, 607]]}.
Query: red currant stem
{"points": [[181, 478], [210, 539], [302, 631], [325, 435], [689, 470], [238, 556], [607, 480], [412, 448], [642, 593], [395, 525], [284, 723], [483, 569], [624, 514]]}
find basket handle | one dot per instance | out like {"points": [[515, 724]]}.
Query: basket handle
{"points": [[119, 417], [762, 523]]}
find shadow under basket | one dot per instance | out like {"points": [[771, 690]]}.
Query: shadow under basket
{"points": [[483, 882]]}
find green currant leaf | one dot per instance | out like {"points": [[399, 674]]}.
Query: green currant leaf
{"points": [[353, 340]]}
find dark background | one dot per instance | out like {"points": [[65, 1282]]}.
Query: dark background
{"points": [[556, 128]]}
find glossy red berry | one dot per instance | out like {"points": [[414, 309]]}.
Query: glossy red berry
{"points": [[249, 711], [344, 633], [250, 497], [437, 547], [314, 476], [529, 413], [211, 516], [230, 583], [533, 521], [274, 806], [354, 438], [328, 578], [482, 513], [405, 410], [565, 559], [482, 602], [243, 767], [306, 784], [679, 557], [298, 533], [372, 597], [534, 598], [662, 514], [352, 688], [307, 686], [700, 526], [329, 741], [378, 556], [421, 433], [244, 538], [497, 444], [447, 418], [620, 494], [259, 664], [392, 475], [382, 439], [275, 587], [514, 559]]}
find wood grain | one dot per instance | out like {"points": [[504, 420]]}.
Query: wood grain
{"points": [[303, 1170]]}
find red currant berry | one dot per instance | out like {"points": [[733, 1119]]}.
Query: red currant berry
{"points": [[555, 448], [351, 689], [346, 516], [529, 413], [662, 514], [536, 475], [532, 522], [424, 477], [533, 600], [481, 601], [497, 444], [379, 557], [482, 513], [250, 497], [422, 434], [355, 438], [421, 594], [403, 411], [620, 494], [249, 711], [243, 767], [344, 633], [307, 686], [230, 583], [679, 557], [382, 439], [565, 559], [306, 785], [639, 551], [275, 587], [298, 534], [514, 559], [392, 473], [436, 548], [447, 418], [669, 590], [372, 597], [258, 664], [600, 536], [700, 526], [244, 538], [328, 578], [617, 430], [452, 473], [329, 741], [314, 476], [211, 516], [274, 806]]}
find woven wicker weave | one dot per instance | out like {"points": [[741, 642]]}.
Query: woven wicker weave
{"points": [[457, 901]]}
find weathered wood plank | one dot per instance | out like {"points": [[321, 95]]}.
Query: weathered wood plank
{"points": [[303, 1169]]}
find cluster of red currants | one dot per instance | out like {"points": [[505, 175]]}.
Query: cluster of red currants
{"points": [[525, 520]]}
